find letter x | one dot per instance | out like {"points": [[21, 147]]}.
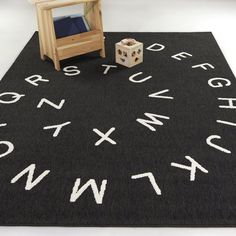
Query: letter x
{"points": [[104, 137]]}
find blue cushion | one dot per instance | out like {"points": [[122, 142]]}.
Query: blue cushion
{"points": [[78, 20], [65, 27]]}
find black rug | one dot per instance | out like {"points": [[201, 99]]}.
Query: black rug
{"points": [[153, 145]]}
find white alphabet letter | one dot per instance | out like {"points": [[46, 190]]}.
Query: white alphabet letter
{"points": [[226, 122], [156, 95], [152, 121], [98, 195], [160, 47], [131, 78], [219, 84], [210, 138], [58, 107], [104, 136], [9, 150], [230, 100], [108, 67], [204, 66], [35, 78], [57, 127], [30, 183], [73, 70], [181, 55], [15, 96], [152, 180], [192, 168]]}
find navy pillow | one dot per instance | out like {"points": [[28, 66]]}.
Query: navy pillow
{"points": [[65, 27], [79, 22]]}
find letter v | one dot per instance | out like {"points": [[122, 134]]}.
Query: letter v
{"points": [[30, 183], [157, 94]]}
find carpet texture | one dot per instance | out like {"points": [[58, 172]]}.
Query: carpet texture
{"points": [[153, 145]]}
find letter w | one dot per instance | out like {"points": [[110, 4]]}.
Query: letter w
{"points": [[153, 120], [98, 195], [30, 183]]}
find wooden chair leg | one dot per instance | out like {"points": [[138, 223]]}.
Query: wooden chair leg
{"points": [[57, 65], [42, 56], [102, 51], [41, 49]]}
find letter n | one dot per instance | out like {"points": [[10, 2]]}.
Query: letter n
{"points": [[30, 182]]}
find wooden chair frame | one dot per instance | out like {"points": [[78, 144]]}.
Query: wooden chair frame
{"points": [[63, 48]]}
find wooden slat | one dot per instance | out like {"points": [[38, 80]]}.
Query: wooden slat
{"points": [[41, 35], [98, 19], [87, 36], [53, 40], [45, 29], [93, 15], [78, 49], [40, 1], [65, 3], [89, 14]]}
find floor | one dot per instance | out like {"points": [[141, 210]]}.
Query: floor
{"points": [[18, 22]]}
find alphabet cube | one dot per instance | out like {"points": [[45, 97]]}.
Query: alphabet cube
{"points": [[129, 52]]}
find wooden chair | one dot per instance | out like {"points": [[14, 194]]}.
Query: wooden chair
{"points": [[63, 48]]}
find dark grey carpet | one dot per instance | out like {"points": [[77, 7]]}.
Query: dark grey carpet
{"points": [[164, 194]]}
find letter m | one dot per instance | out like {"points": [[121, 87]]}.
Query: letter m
{"points": [[98, 195], [153, 120]]}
